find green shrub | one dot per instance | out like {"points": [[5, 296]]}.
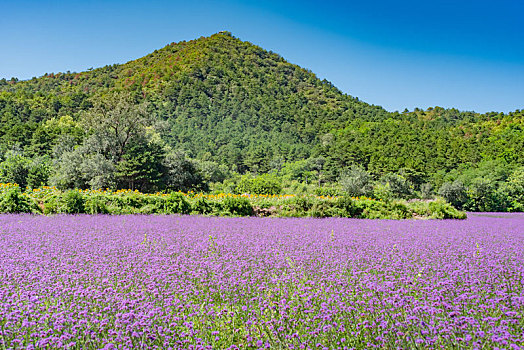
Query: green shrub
{"points": [[356, 182], [398, 185], [237, 206], [483, 196], [176, 203], [52, 205], [95, 205], [202, 206], [14, 201], [321, 209], [513, 188], [375, 210], [149, 209], [348, 207], [441, 210], [263, 184], [326, 191], [73, 203], [382, 192], [399, 211], [454, 193], [301, 205]]}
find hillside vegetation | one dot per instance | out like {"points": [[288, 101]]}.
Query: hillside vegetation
{"points": [[200, 112]]}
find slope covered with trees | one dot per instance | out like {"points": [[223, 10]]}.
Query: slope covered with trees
{"points": [[216, 106]]}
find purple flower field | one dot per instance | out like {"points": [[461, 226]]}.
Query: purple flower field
{"points": [[182, 282]]}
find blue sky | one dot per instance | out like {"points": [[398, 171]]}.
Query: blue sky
{"points": [[397, 54]]}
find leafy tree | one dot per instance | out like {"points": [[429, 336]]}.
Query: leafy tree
{"points": [[212, 171], [397, 184], [98, 171], [141, 167], [483, 196], [116, 120], [356, 181], [454, 193], [182, 174], [15, 169], [513, 189]]}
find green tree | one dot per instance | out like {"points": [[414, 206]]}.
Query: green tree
{"points": [[398, 185], [15, 169], [356, 181], [116, 119], [182, 174], [454, 193], [141, 167]]}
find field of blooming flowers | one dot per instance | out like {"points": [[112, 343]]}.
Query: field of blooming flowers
{"points": [[122, 282]]}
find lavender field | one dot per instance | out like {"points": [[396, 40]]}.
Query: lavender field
{"points": [[182, 282]]}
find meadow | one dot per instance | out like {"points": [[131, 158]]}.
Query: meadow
{"points": [[194, 282]]}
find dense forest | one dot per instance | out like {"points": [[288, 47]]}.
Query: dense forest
{"points": [[216, 112]]}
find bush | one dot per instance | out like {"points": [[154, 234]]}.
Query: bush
{"points": [[348, 207], [321, 209], [95, 205], [513, 189], [326, 191], [301, 204], [176, 203], [356, 182], [202, 206], [442, 210], [426, 190], [237, 206], [483, 196], [454, 192], [398, 185], [73, 203], [14, 201], [382, 192], [399, 210], [263, 184]]}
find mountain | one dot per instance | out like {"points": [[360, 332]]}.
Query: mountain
{"points": [[229, 101]]}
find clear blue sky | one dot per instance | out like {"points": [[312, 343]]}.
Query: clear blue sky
{"points": [[397, 54]]}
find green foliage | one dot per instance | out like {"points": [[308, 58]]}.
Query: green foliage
{"points": [[398, 185], [15, 169], [14, 201], [141, 167], [348, 207], [443, 210], [212, 171], [426, 190], [202, 206], [237, 206], [301, 204], [513, 190], [73, 202], [483, 196], [326, 191], [454, 193], [263, 184], [95, 205], [382, 192], [356, 182], [233, 106], [182, 174], [176, 203]]}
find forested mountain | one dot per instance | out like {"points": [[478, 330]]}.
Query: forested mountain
{"points": [[228, 101]]}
